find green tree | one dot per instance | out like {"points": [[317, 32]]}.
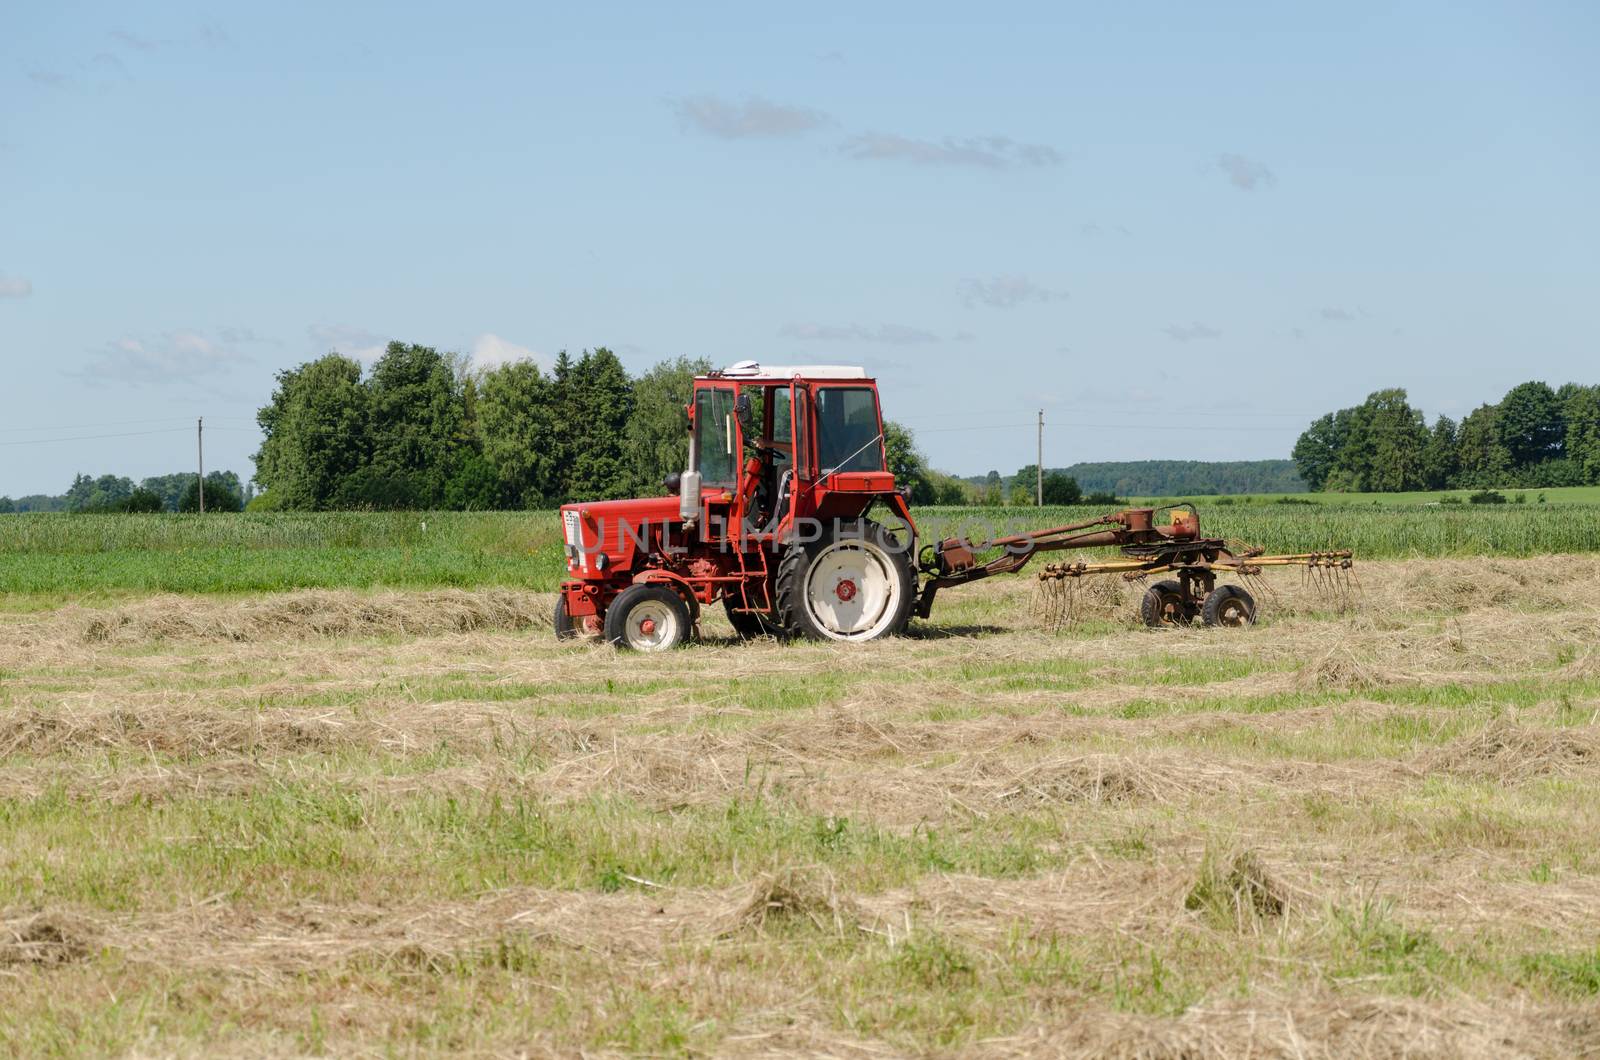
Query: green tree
{"points": [[994, 491], [596, 398], [1531, 424], [1483, 461], [7, 506], [1394, 436], [316, 434], [907, 464], [144, 501], [516, 421], [1316, 452], [416, 422], [1024, 486], [104, 494], [1061, 489], [657, 441], [1582, 413], [475, 486], [222, 493], [1440, 460]]}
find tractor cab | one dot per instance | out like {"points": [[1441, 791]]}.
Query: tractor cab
{"points": [[772, 444]]}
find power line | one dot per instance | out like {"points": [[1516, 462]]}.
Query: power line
{"points": [[86, 426], [93, 437], [1137, 427]]}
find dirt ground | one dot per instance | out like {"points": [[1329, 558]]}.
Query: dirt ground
{"points": [[380, 823]]}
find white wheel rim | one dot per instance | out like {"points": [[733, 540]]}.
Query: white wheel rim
{"points": [[651, 626], [851, 591]]}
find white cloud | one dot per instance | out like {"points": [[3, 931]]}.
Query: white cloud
{"points": [[492, 351], [1336, 313], [988, 152], [1006, 292], [892, 334], [754, 118], [177, 356], [358, 343], [1178, 333], [1244, 173], [14, 286]]}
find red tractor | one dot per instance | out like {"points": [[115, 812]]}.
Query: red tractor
{"points": [[771, 518]]}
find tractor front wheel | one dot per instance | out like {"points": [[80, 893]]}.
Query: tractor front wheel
{"points": [[858, 585], [647, 618], [566, 628]]}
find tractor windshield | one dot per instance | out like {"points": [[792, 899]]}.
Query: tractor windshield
{"points": [[847, 429], [714, 437]]}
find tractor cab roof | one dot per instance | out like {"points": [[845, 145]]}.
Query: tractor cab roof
{"points": [[752, 371]]}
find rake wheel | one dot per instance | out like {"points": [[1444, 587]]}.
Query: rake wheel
{"points": [[1229, 605], [1166, 604]]}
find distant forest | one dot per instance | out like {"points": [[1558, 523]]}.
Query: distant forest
{"points": [[1148, 478], [178, 492], [1534, 437]]}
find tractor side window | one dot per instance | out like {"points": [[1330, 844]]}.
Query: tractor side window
{"points": [[714, 437], [847, 429], [780, 417]]}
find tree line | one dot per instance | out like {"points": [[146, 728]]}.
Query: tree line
{"points": [[178, 492], [1534, 437], [423, 429]]}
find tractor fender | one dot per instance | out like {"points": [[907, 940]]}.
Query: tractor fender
{"points": [[684, 587]]}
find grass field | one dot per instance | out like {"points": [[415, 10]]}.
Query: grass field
{"points": [[52, 556], [409, 822], [389, 814]]}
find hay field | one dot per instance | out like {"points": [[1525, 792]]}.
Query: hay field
{"points": [[356, 823]]}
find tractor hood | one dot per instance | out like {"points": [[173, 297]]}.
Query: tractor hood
{"points": [[601, 537], [634, 512]]}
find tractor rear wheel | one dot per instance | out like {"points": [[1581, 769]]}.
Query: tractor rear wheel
{"points": [[647, 618], [1166, 604], [1229, 605], [856, 585], [747, 624]]}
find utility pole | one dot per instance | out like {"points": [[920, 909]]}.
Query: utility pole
{"points": [[200, 450], [1039, 467]]}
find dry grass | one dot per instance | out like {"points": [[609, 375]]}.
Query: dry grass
{"points": [[411, 822]]}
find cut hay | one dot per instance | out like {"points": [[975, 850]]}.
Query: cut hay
{"points": [[792, 895], [1234, 889], [1339, 669], [300, 615], [45, 938], [1506, 751]]}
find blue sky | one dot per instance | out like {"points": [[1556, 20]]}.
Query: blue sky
{"points": [[1182, 230]]}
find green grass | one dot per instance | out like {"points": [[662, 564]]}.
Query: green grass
{"points": [[109, 555]]}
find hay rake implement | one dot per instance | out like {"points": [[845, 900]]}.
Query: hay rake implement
{"points": [[1147, 549]]}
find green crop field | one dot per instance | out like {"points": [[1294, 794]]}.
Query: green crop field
{"points": [[107, 555], [1554, 495]]}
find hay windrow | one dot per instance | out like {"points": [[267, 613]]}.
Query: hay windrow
{"points": [[321, 613], [1504, 750]]}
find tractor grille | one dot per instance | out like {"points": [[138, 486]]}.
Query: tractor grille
{"points": [[569, 524]]}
